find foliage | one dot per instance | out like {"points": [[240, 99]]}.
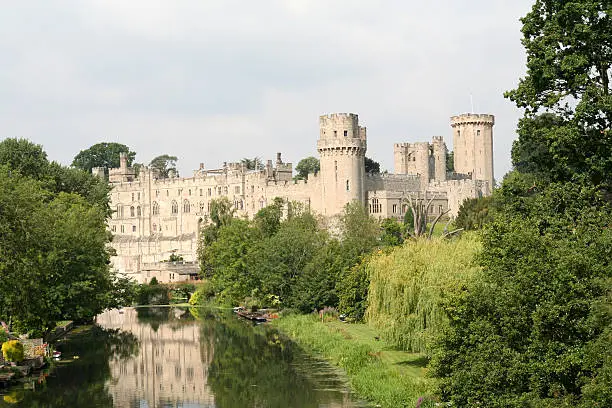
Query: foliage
{"points": [[392, 232], [152, 293], [204, 292], [474, 213], [352, 288], [268, 219], [408, 283], [3, 335], [359, 231], [56, 263], [27, 158], [309, 165], [450, 162], [164, 165], [175, 258], [12, 351], [252, 164], [371, 166], [104, 154]]}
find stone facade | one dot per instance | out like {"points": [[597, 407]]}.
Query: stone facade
{"points": [[157, 217]]}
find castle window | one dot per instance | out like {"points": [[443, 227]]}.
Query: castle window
{"points": [[189, 191], [122, 228], [174, 207], [440, 209], [202, 206], [237, 190], [114, 228], [347, 186], [478, 132], [155, 208], [154, 228], [156, 193], [186, 206], [375, 206], [138, 211], [167, 193], [133, 228], [458, 133], [132, 196], [138, 195], [394, 208], [345, 133], [131, 211], [200, 192], [335, 133]]}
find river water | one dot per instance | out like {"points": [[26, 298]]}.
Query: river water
{"points": [[172, 357]]}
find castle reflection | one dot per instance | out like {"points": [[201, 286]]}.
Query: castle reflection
{"points": [[172, 365]]}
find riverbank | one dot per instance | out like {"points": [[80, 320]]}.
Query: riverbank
{"points": [[376, 372]]}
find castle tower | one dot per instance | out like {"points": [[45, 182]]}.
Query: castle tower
{"points": [[439, 157], [421, 162], [342, 146], [473, 145]]}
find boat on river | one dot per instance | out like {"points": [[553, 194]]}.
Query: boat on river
{"points": [[258, 317]]}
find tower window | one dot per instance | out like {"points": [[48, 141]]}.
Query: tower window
{"points": [[458, 133], [345, 133], [133, 228], [335, 133], [347, 186], [478, 132]]}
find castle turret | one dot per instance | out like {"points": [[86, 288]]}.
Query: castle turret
{"points": [[439, 157], [342, 146], [473, 145]]}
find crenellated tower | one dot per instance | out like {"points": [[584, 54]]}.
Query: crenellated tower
{"points": [[342, 146], [473, 145]]}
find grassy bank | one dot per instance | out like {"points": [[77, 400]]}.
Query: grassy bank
{"points": [[376, 372]]}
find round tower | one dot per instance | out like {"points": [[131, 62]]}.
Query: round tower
{"points": [[473, 145], [342, 148], [439, 155]]}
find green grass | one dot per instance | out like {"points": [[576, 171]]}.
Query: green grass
{"points": [[376, 372]]}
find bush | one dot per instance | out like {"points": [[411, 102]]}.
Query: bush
{"points": [[12, 351], [203, 293], [152, 294], [3, 335]]}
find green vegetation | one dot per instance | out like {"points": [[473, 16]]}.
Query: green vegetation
{"points": [[475, 213], [407, 285], [534, 329], [376, 372], [12, 351], [54, 242], [306, 166], [165, 165], [152, 293], [102, 155]]}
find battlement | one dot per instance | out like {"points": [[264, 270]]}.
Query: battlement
{"points": [[339, 117], [437, 139], [472, 118]]}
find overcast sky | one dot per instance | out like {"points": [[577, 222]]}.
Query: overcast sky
{"points": [[215, 81]]}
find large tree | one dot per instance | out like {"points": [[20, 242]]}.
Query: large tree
{"points": [[534, 328], [102, 155], [165, 165], [27, 158], [306, 166]]}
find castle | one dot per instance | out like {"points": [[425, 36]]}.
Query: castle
{"points": [[156, 217]]}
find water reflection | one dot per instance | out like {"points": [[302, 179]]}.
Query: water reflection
{"points": [[164, 357]]}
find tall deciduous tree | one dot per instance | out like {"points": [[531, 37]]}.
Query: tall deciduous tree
{"points": [[104, 154], [371, 166], [27, 158], [165, 165], [309, 165]]}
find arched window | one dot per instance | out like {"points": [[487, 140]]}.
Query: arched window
{"points": [[131, 211], [138, 211], [186, 206], [174, 207], [155, 208]]}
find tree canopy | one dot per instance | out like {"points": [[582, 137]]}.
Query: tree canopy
{"points": [[371, 166], [306, 166], [534, 328], [104, 154], [165, 165]]}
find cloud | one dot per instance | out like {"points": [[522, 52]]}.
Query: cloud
{"points": [[217, 81]]}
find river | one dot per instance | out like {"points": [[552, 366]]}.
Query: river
{"points": [[172, 357]]}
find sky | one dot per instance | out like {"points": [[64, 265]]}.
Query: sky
{"points": [[215, 81]]}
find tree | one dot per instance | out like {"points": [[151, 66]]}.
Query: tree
{"points": [[360, 232], [371, 166], [450, 162], [309, 165], [534, 329], [104, 154], [252, 164], [165, 165], [24, 156], [568, 74], [391, 232], [474, 213]]}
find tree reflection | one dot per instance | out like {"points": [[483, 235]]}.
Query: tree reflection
{"points": [[79, 379]]}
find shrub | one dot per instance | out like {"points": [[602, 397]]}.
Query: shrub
{"points": [[12, 351], [3, 335], [204, 292]]}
